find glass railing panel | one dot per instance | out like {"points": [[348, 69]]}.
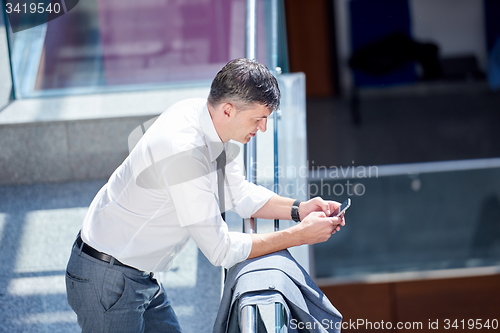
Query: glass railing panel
{"points": [[413, 222]]}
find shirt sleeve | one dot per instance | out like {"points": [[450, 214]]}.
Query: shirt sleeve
{"points": [[191, 186], [243, 197], [222, 248]]}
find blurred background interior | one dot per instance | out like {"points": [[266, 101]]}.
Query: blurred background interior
{"points": [[399, 109]]}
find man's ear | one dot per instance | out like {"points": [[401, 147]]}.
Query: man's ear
{"points": [[228, 110]]}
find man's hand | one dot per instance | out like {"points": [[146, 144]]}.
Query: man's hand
{"points": [[317, 204], [317, 227], [278, 207]]}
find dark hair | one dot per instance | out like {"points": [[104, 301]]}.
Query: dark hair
{"points": [[247, 81]]}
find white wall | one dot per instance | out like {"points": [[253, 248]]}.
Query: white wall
{"points": [[342, 22], [457, 26]]}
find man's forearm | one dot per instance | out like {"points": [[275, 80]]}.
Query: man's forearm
{"points": [[317, 224], [277, 207], [315, 228], [271, 242]]}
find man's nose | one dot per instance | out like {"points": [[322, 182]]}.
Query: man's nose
{"points": [[262, 125]]}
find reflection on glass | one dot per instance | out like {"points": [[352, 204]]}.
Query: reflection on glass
{"points": [[110, 43], [414, 222]]}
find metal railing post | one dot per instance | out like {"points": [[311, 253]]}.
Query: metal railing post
{"points": [[250, 225]]}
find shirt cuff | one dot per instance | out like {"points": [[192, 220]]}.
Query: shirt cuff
{"points": [[257, 197], [239, 249]]}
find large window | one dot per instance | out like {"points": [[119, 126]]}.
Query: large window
{"points": [[103, 45]]}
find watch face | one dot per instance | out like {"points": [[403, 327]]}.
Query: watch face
{"points": [[295, 213]]}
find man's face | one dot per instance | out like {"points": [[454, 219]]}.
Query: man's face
{"points": [[247, 122]]}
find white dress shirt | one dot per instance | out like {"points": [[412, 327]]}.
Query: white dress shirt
{"points": [[166, 192]]}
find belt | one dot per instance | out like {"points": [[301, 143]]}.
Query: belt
{"points": [[98, 255]]}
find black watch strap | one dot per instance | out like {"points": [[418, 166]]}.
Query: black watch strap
{"points": [[295, 211]]}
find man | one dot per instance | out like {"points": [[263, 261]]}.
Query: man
{"points": [[167, 191]]}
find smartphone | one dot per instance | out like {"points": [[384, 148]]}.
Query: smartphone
{"points": [[346, 204]]}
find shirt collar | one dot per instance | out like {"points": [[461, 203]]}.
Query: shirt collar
{"points": [[214, 143]]}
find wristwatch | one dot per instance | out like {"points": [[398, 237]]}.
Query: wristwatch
{"points": [[295, 211]]}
